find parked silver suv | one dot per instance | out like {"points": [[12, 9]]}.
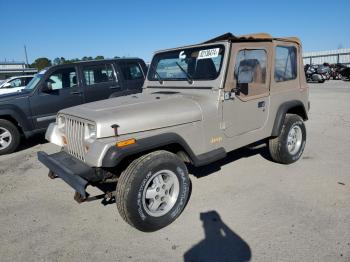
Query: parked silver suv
{"points": [[199, 102]]}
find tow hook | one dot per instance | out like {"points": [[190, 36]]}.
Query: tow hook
{"points": [[51, 175], [79, 198]]}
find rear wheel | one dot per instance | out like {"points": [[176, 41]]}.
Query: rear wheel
{"points": [[9, 137], [288, 147], [153, 191]]}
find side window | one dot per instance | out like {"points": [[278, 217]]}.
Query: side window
{"points": [[63, 78], [16, 83], [285, 63], [251, 66], [98, 74], [131, 71], [27, 80]]}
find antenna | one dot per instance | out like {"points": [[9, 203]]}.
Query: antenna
{"points": [[25, 52]]}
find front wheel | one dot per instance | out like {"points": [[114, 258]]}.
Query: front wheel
{"points": [[9, 137], [153, 191], [288, 147]]}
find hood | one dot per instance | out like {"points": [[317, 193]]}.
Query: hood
{"points": [[12, 96], [136, 113]]}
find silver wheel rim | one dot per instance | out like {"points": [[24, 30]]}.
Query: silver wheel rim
{"points": [[160, 193], [295, 138], [5, 138]]}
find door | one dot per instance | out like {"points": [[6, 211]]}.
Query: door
{"points": [[247, 110], [65, 92], [133, 75], [100, 81]]}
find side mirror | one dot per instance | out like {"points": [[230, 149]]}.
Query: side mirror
{"points": [[241, 88], [47, 88]]}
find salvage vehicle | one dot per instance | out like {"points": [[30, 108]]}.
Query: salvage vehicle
{"points": [[14, 84], [30, 111], [344, 72], [199, 103], [312, 74]]}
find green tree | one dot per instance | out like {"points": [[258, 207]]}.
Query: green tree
{"points": [[56, 61], [99, 57], [41, 63]]}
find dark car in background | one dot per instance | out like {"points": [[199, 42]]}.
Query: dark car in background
{"points": [[30, 111]]}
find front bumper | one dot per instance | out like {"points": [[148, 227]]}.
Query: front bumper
{"points": [[74, 172]]}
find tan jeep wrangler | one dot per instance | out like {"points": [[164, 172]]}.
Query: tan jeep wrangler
{"points": [[198, 103]]}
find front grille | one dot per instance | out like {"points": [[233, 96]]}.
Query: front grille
{"points": [[75, 133]]}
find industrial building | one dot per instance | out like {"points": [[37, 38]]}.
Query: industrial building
{"points": [[341, 56], [8, 69]]}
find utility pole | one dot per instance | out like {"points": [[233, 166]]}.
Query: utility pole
{"points": [[25, 52]]}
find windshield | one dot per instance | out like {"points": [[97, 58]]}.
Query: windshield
{"points": [[199, 63], [32, 84]]}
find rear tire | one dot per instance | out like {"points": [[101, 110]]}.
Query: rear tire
{"points": [[288, 147], [153, 191], [10, 137]]}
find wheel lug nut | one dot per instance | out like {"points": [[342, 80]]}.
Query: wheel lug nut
{"points": [[157, 197], [162, 198], [157, 189], [166, 192], [163, 186]]}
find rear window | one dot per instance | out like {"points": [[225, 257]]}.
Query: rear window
{"points": [[131, 71], [285, 63]]}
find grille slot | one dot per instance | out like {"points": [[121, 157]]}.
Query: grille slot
{"points": [[75, 132]]}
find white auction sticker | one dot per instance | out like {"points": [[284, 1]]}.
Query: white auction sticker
{"points": [[208, 53]]}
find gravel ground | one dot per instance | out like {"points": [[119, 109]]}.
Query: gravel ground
{"points": [[242, 208]]}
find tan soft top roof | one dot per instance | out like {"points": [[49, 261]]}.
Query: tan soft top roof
{"points": [[251, 38]]}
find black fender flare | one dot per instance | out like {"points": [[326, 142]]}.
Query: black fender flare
{"points": [[281, 113], [16, 114], [115, 155]]}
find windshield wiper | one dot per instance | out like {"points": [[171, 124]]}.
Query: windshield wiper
{"points": [[160, 79], [189, 78]]}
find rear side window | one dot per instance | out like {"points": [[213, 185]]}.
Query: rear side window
{"points": [[98, 74], [131, 71], [251, 66], [285, 63]]}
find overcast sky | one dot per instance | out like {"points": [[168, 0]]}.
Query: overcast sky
{"points": [[74, 29]]}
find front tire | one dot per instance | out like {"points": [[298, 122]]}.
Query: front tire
{"points": [[288, 147], [153, 191], [9, 137]]}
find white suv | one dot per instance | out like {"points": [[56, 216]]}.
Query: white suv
{"points": [[14, 84]]}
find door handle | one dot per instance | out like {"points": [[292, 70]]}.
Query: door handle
{"points": [[76, 93]]}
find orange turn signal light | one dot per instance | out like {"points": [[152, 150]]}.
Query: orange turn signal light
{"points": [[127, 142], [64, 139]]}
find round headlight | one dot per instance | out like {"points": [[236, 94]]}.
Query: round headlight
{"points": [[91, 132], [61, 122]]}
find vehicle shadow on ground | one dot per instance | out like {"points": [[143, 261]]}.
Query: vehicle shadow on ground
{"points": [[220, 242], [31, 142], [244, 152]]}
